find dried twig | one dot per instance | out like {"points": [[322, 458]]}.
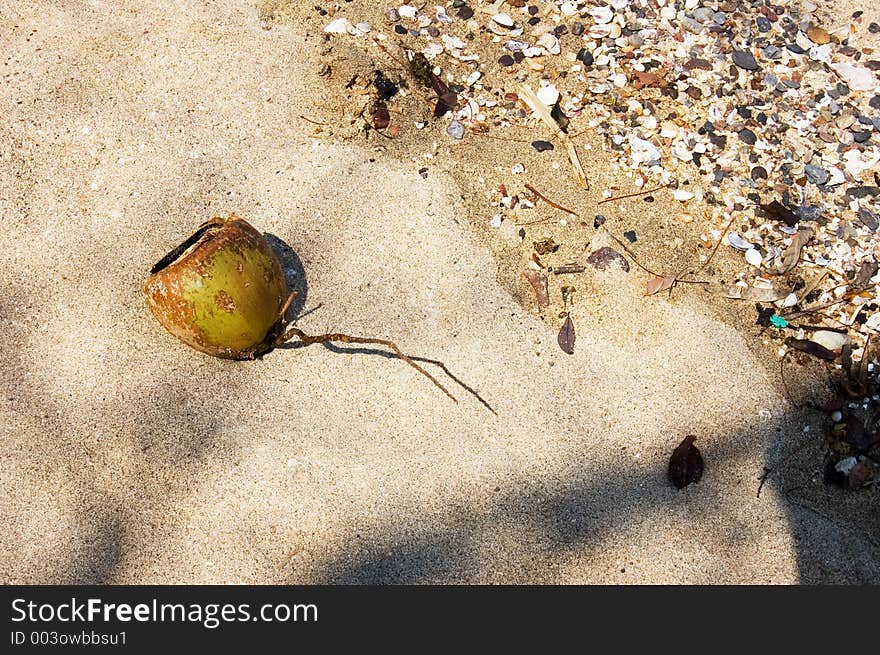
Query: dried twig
{"points": [[543, 112], [633, 195], [715, 249], [313, 122], [550, 202]]}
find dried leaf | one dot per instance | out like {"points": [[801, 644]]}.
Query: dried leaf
{"points": [[659, 283], [379, 114], [445, 103], [793, 253], [780, 212], [643, 79], [811, 348], [867, 270], [566, 336], [859, 475], [686, 463], [539, 283], [857, 435], [546, 246]]}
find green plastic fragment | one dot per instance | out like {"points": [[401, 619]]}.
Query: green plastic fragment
{"points": [[778, 322]]}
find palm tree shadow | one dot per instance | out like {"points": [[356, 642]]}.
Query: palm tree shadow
{"points": [[583, 509]]}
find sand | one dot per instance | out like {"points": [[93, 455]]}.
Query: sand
{"points": [[128, 458]]}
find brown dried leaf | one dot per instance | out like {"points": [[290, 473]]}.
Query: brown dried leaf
{"points": [[780, 212], [859, 475], [566, 336], [379, 114], [793, 253], [811, 348], [659, 283], [644, 78], [539, 283], [686, 463]]}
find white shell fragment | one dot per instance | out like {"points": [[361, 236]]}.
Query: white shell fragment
{"points": [[738, 242], [338, 26], [602, 14], [644, 152], [753, 257], [856, 77], [503, 19], [549, 95], [830, 340]]}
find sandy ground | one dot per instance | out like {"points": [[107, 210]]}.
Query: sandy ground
{"points": [[128, 458]]}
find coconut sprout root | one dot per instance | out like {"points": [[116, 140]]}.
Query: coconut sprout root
{"points": [[285, 332], [309, 339]]}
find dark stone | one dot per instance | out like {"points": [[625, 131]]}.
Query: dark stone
{"points": [[433, 31], [599, 221], [541, 146], [874, 28], [816, 174], [577, 29], [744, 111], [747, 136], [745, 60], [400, 29], [465, 13], [759, 173], [795, 48], [718, 140], [506, 60], [874, 103], [763, 24], [860, 137], [862, 191], [586, 58], [868, 219], [630, 235], [809, 213]]}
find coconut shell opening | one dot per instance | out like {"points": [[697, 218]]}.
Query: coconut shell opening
{"points": [[204, 234]]}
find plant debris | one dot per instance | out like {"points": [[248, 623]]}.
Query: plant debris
{"points": [[686, 463], [566, 336]]}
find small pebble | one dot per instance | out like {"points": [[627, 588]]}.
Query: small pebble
{"points": [[506, 60], [455, 130], [630, 236], [816, 174], [745, 59], [586, 58], [542, 146], [747, 136]]}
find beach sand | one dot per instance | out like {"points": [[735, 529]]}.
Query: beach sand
{"points": [[128, 458]]}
